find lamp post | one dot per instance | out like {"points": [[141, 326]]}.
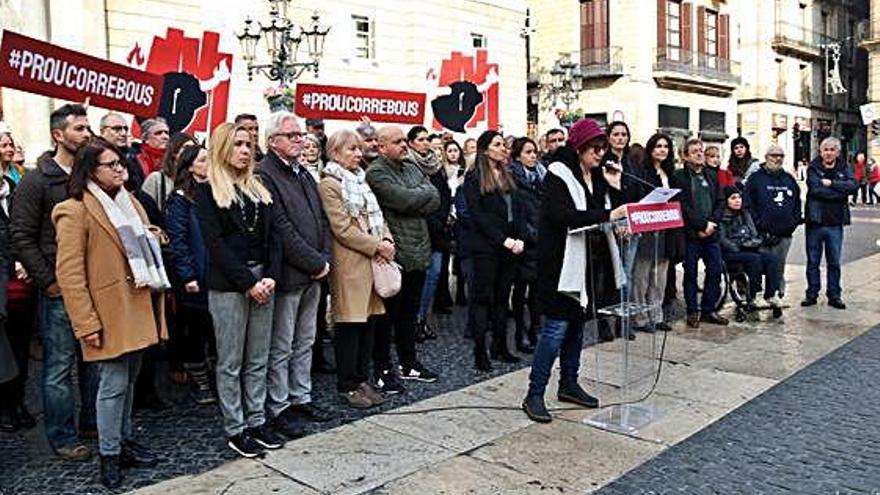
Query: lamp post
{"points": [[282, 39], [566, 80]]}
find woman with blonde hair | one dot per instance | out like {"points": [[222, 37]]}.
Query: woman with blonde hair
{"points": [[235, 217], [360, 236]]}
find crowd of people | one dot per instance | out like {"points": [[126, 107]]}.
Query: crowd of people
{"points": [[235, 257]]}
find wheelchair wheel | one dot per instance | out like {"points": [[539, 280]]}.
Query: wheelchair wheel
{"points": [[725, 288]]}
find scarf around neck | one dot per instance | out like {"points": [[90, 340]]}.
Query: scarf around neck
{"points": [[428, 163], [141, 246], [357, 196], [150, 158]]}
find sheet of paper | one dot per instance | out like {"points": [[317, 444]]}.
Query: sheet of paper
{"points": [[659, 195]]}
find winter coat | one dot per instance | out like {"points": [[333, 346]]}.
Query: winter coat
{"points": [[188, 246], [307, 239], [774, 201], [439, 228], [32, 230], [8, 367], [821, 199], [462, 225], [695, 222], [97, 284], [529, 194], [225, 237], [353, 298], [737, 231], [407, 197], [489, 219], [558, 215], [158, 186]]}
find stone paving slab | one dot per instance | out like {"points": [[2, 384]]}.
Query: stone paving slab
{"points": [[354, 458], [241, 477]]}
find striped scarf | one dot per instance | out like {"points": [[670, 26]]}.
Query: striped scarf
{"points": [[141, 246]]}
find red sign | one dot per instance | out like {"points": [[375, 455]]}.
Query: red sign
{"points": [[342, 103], [653, 217], [477, 73], [38, 67], [196, 107]]}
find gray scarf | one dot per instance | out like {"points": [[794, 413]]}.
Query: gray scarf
{"points": [[428, 163], [357, 196]]}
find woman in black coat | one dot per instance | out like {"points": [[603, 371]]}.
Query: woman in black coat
{"points": [[494, 244], [573, 173]]}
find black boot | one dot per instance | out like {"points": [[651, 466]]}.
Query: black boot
{"points": [[23, 417], [135, 455], [605, 333], [500, 352], [8, 423], [111, 475], [481, 357]]}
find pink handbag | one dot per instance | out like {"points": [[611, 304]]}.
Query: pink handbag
{"points": [[386, 278]]}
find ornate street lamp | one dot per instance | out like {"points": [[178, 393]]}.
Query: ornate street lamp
{"points": [[566, 80], [282, 39]]}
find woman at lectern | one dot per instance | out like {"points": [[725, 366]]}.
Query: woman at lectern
{"points": [[578, 193]]}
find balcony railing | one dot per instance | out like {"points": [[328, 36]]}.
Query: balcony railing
{"points": [[796, 39], [691, 63], [601, 62]]}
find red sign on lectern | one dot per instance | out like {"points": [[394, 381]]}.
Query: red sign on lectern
{"points": [[654, 217]]}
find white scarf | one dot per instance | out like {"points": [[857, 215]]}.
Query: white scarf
{"points": [[357, 196], [573, 278], [141, 246]]}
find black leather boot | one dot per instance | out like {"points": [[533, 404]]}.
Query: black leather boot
{"points": [[500, 351], [111, 474]]}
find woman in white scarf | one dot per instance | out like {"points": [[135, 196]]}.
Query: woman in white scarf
{"points": [[109, 268], [360, 236]]}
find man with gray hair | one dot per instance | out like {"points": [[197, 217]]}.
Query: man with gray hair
{"points": [[830, 183], [773, 199], [154, 137], [304, 232]]}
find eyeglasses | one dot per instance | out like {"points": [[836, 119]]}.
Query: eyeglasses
{"points": [[599, 147], [117, 128], [776, 155], [114, 165], [290, 135]]}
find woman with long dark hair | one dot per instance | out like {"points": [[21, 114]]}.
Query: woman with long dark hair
{"points": [[741, 164], [110, 272], [194, 330], [655, 250], [529, 174], [495, 246]]}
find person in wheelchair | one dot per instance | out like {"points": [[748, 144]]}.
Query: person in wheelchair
{"points": [[740, 242]]}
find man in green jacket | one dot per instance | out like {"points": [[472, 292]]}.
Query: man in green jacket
{"points": [[407, 197]]}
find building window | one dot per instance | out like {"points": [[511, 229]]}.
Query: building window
{"points": [[673, 30], [711, 39], [478, 40], [672, 117], [363, 37]]}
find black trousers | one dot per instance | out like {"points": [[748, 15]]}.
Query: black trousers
{"points": [[442, 296], [354, 348], [524, 296], [490, 292], [19, 329], [195, 331], [400, 322]]}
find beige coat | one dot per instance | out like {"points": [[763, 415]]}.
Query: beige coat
{"points": [[97, 285], [353, 298]]}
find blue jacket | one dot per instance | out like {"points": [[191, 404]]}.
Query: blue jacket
{"points": [[462, 225], [190, 254], [823, 199], [774, 202]]}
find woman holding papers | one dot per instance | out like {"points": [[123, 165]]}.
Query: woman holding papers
{"points": [[577, 194]]}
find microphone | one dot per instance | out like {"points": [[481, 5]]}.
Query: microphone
{"points": [[612, 166]]}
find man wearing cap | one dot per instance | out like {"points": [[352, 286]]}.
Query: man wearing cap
{"points": [[577, 193], [773, 198], [315, 127], [702, 204]]}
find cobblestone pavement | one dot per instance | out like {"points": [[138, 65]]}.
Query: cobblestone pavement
{"points": [[815, 433], [190, 439]]}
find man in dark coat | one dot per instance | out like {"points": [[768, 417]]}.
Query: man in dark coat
{"points": [[702, 203], [306, 238], [829, 185]]}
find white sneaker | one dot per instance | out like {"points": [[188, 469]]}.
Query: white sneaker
{"points": [[774, 301]]}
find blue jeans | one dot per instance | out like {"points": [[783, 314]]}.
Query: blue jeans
{"points": [[61, 353], [558, 338], [432, 276], [709, 250], [831, 240]]}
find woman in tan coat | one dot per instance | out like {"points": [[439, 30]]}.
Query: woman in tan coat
{"points": [[109, 268], [359, 235]]}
